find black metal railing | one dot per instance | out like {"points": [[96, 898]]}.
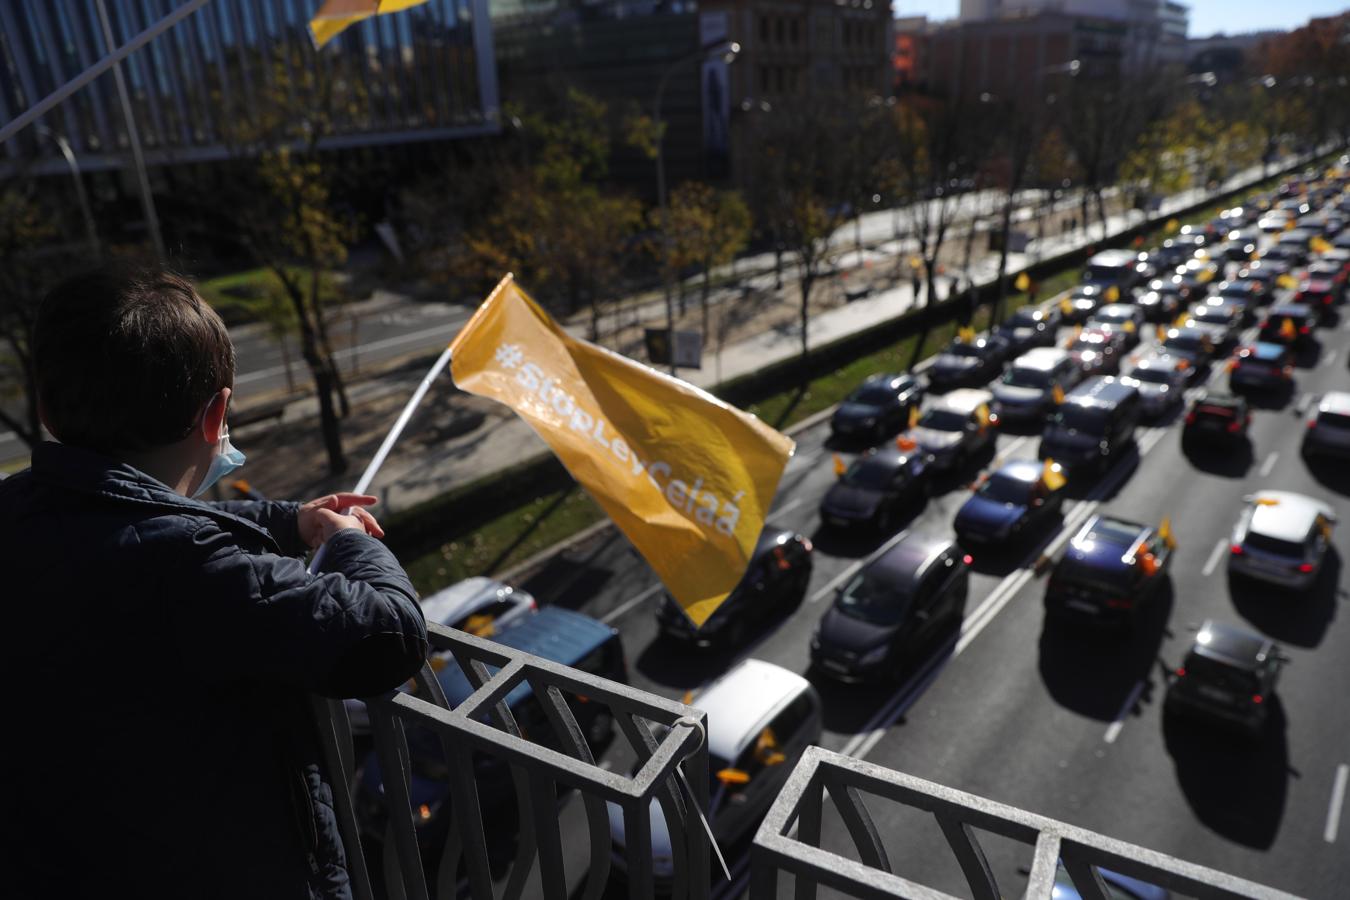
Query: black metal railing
{"points": [[1082, 854], [481, 732]]}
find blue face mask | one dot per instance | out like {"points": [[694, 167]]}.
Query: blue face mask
{"points": [[225, 462]]}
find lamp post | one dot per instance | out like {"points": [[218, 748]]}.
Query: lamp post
{"points": [[90, 233], [729, 51]]}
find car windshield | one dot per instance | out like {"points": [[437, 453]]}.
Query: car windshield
{"points": [[1186, 343], [1003, 489], [1215, 314], [1264, 542], [1027, 378], [943, 420], [1088, 343], [869, 473], [1113, 316], [872, 395], [1152, 376], [873, 597], [1027, 318], [1220, 674], [1335, 420], [1080, 418], [1104, 273], [960, 349]]}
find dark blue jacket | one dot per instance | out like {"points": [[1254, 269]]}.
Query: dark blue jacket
{"points": [[158, 653]]}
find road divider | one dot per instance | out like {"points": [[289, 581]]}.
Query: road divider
{"points": [[1269, 465], [1337, 800], [1113, 731], [1214, 556]]}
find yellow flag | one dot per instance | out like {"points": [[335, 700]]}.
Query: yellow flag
{"points": [[1287, 330], [840, 467], [1052, 475], [1112, 294], [1066, 306], [1160, 332], [966, 334], [1172, 226], [1287, 281], [1058, 395], [914, 415], [335, 16], [1023, 282], [686, 478], [1165, 533], [1319, 245], [1205, 276]]}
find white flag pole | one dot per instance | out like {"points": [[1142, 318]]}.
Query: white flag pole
{"points": [[363, 484]]}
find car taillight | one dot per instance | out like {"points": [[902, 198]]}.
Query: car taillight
{"points": [[1235, 549], [1305, 568], [1234, 427], [1312, 423], [1190, 418], [967, 559], [1288, 371], [1304, 329], [1258, 699], [1119, 603], [1181, 671]]}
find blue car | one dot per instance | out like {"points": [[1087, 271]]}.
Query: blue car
{"points": [[1110, 570], [1011, 502]]}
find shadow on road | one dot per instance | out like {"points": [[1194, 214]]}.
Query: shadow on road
{"points": [[1236, 787], [1332, 474], [1092, 672], [1300, 618], [1275, 399], [1224, 460]]}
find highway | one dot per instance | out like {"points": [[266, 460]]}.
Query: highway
{"points": [[1055, 721]]}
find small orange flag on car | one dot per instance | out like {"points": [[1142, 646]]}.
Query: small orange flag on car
{"points": [[840, 467], [686, 478], [335, 16]]}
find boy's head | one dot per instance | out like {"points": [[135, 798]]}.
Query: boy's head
{"points": [[128, 359]]}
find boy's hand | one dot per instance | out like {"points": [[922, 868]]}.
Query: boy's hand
{"points": [[320, 519]]}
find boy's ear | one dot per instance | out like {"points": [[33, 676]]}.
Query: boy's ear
{"points": [[213, 422]]}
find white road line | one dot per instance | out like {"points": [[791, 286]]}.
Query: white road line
{"points": [[1269, 465], [862, 743], [790, 505], [1327, 359], [851, 570], [1013, 445], [971, 628], [1114, 730], [1337, 799], [622, 608], [1214, 556]]}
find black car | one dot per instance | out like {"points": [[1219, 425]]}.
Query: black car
{"points": [[1031, 327], [1018, 499], [1162, 301], [1290, 324], [1228, 675], [968, 363], [877, 408], [1093, 426], [890, 612], [1251, 293], [1111, 568], [1191, 344], [1216, 419], [874, 487], [775, 579]]}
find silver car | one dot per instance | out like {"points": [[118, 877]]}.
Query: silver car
{"points": [[1328, 431], [1161, 381], [1281, 538]]}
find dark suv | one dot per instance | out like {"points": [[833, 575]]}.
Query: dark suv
{"points": [[1216, 419], [878, 407], [1228, 675], [1111, 568], [1093, 425]]}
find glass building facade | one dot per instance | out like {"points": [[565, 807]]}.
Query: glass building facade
{"points": [[427, 73]]}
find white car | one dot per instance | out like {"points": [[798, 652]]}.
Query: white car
{"points": [[761, 717], [1281, 538], [478, 605], [1328, 431]]}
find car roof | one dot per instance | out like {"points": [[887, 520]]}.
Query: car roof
{"points": [[906, 559], [1230, 645], [459, 600], [743, 699], [1041, 358], [1268, 351], [963, 400], [1218, 398], [1117, 309], [1284, 515], [1161, 361], [1027, 470], [895, 380], [1105, 541], [1102, 390], [1113, 258], [887, 456], [1297, 310], [771, 537], [1337, 402]]}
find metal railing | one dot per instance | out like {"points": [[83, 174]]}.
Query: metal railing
{"points": [[1082, 853], [481, 732]]}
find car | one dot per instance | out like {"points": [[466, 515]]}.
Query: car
{"points": [[1296, 242], [1027, 390], [1093, 426], [1222, 323], [968, 363], [1126, 318], [1112, 269], [761, 718], [955, 428], [1018, 498], [1191, 344], [1249, 292], [1266, 276], [1262, 366], [1283, 253], [774, 580], [1318, 293], [889, 613], [1281, 538], [1118, 887], [1172, 253], [877, 408], [1328, 428], [1336, 257], [875, 486], [1082, 302], [1161, 301], [553, 633], [1216, 418], [480, 606], [1331, 271], [1195, 277], [1097, 351], [1242, 243], [1031, 327], [1273, 221], [1228, 675], [1111, 569], [1288, 323], [1160, 380]]}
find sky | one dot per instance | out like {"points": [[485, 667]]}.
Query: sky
{"points": [[1207, 16]]}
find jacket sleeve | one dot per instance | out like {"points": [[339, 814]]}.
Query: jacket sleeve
{"points": [[279, 517], [353, 630]]}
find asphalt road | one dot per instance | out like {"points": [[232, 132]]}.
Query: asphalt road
{"points": [[1057, 722]]}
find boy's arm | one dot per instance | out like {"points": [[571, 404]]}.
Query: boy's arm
{"points": [[354, 630], [277, 516]]}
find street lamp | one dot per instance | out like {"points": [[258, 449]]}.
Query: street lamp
{"points": [[728, 50], [90, 233]]}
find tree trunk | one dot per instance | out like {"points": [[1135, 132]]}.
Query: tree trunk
{"points": [[1101, 212], [703, 299], [322, 344], [1006, 229], [322, 370], [777, 267], [806, 283]]}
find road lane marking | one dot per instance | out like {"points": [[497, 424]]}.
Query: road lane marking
{"points": [[1301, 405], [850, 571], [624, 607], [1214, 556], [1011, 586], [1327, 359], [1012, 446], [1269, 465], [786, 507], [1114, 730], [862, 743], [1337, 798]]}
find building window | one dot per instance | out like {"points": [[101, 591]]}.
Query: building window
{"points": [[779, 30], [792, 31], [764, 29], [764, 79]]}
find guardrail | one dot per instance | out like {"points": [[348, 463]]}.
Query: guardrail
{"points": [[1082, 853], [663, 735]]}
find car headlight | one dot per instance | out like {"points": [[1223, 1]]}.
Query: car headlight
{"points": [[873, 656]]}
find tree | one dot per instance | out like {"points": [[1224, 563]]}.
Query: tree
{"points": [[24, 227], [708, 228]]}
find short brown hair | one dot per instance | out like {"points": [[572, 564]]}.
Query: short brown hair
{"points": [[126, 357]]}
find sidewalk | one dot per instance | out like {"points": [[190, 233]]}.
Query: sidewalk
{"points": [[455, 439]]}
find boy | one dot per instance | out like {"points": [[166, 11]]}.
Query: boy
{"points": [[159, 649]]}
